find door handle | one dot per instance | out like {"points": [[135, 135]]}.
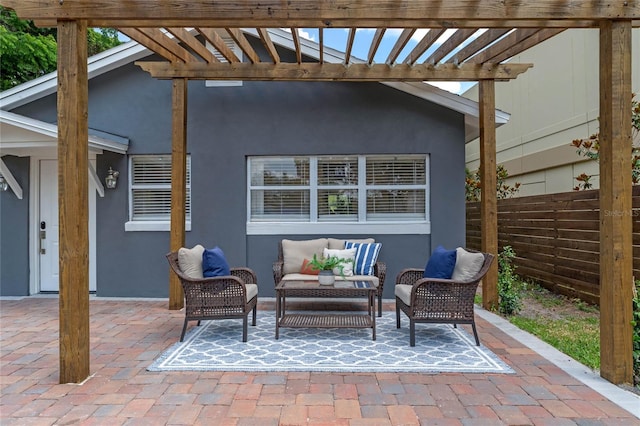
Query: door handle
{"points": [[43, 236]]}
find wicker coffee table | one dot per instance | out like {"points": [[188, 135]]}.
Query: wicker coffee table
{"points": [[325, 319]]}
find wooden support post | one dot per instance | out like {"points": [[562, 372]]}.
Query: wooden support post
{"points": [[178, 183], [616, 275], [73, 201], [488, 200]]}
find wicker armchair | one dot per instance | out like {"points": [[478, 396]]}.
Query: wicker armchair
{"points": [[218, 297], [437, 300], [379, 270]]}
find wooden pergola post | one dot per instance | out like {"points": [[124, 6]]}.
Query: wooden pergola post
{"points": [[178, 182], [73, 201], [488, 199], [616, 275]]}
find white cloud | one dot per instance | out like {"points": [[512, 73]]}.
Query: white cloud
{"points": [[305, 34], [302, 33]]}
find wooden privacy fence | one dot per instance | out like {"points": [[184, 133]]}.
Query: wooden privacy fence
{"points": [[556, 239]]}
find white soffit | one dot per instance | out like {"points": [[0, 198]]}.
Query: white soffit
{"points": [[23, 134]]}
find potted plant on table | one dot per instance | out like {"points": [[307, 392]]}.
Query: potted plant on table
{"points": [[326, 267]]}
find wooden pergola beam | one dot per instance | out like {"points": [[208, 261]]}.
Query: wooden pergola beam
{"points": [[332, 72], [616, 249], [73, 201], [314, 13], [149, 43], [488, 195], [178, 182]]}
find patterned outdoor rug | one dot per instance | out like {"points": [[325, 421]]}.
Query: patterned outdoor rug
{"points": [[217, 346]]}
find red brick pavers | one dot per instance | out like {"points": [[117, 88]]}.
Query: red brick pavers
{"points": [[126, 336]]}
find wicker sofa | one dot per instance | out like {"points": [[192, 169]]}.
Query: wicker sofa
{"points": [[291, 254]]}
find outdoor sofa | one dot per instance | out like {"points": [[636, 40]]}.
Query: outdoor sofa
{"points": [[293, 256]]}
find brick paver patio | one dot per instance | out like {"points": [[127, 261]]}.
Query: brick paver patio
{"points": [[126, 336]]}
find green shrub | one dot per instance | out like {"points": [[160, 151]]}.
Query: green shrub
{"points": [[509, 284]]}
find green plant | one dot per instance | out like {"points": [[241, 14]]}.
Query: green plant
{"points": [[329, 263], [509, 284], [590, 148], [473, 187], [577, 337]]}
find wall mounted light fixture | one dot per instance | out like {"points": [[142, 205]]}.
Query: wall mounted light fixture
{"points": [[3, 184], [112, 178]]}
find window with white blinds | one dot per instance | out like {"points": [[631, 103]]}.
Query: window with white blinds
{"points": [[337, 191], [150, 192]]}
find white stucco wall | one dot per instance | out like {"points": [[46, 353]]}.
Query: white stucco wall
{"points": [[551, 104]]}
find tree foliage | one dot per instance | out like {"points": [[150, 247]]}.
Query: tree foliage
{"points": [[473, 188], [590, 148], [28, 52]]}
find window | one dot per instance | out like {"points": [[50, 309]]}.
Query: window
{"points": [[339, 194], [150, 193]]}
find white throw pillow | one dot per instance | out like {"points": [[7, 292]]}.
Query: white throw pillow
{"points": [[467, 265], [190, 261], [347, 254]]}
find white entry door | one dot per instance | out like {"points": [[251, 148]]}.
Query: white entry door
{"points": [[47, 226]]}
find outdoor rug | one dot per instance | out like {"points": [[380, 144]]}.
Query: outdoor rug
{"points": [[217, 346]]}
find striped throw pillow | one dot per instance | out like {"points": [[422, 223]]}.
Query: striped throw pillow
{"points": [[366, 256]]}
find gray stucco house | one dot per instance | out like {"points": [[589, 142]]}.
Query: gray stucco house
{"points": [[266, 161]]}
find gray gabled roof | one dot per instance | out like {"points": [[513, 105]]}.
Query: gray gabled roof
{"points": [[133, 51]]}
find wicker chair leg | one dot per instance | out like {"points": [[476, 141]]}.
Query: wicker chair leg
{"points": [[397, 316], [184, 329], [475, 333], [412, 332], [253, 320], [244, 327], [380, 305]]}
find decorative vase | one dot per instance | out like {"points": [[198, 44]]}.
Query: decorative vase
{"points": [[326, 277]]}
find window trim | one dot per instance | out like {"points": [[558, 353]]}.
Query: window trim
{"points": [[362, 226], [150, 225]]}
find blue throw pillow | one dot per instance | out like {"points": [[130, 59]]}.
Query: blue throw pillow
{"points": [[366, 257], [440, 264], [214, 264]]}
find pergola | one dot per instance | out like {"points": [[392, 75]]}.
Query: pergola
{"points": [[176, 30]]}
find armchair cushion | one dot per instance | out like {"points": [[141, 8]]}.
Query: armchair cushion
{"points": [[467, 265], [294, 252], [440, 264], [252, 291], [403, 292], [214, 264], [190, 261]]}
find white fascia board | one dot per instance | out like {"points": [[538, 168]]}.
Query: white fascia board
{"points": [[447, 99], [51, 131], [47, 84]]}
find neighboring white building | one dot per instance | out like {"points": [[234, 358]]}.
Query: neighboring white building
{"points": [[552, 104]]}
